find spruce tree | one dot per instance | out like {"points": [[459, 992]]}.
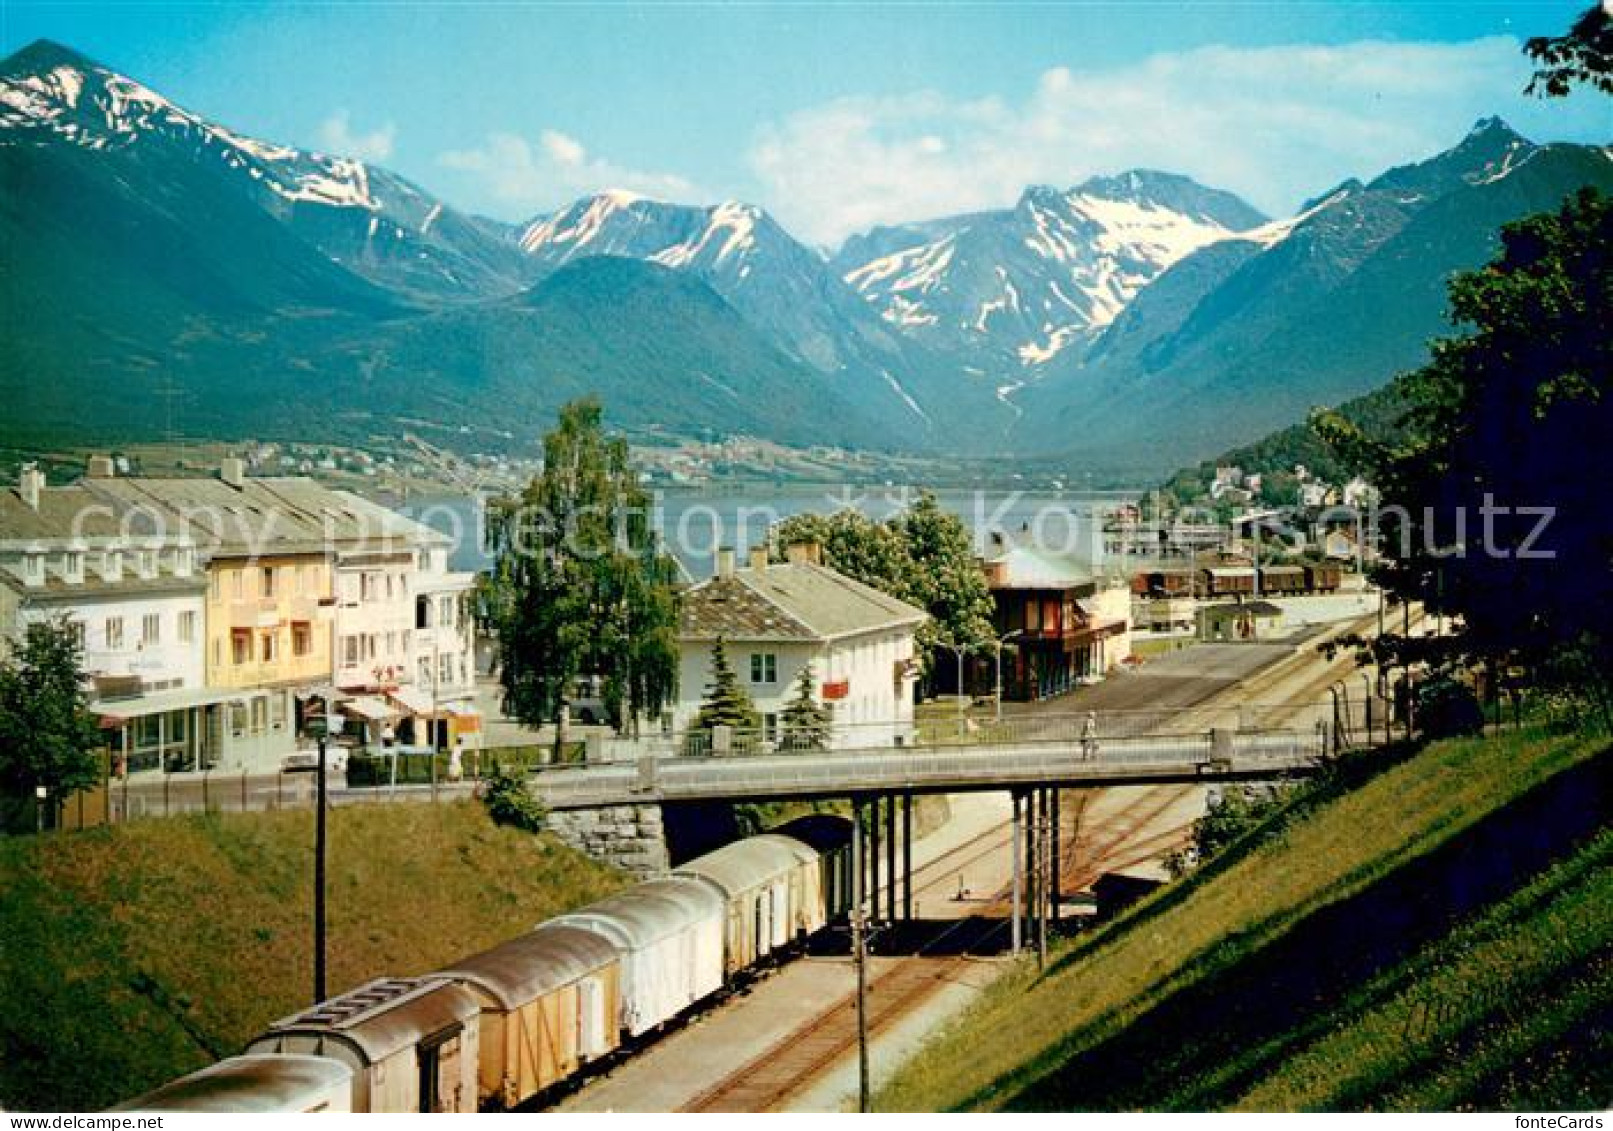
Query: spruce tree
{"points": [[727, 703], [806, 722]]}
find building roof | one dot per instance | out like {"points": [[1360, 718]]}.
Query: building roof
{"points": [[269, 515], [63, 514], [1028, 567], [1258, 608], [793, 601]]}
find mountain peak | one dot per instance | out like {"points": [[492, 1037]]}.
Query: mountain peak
{"points": [[1493, 127], [43, 55]]}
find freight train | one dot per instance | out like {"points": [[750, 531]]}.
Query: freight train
{"points": [[498, 1028], [1237, 581]]}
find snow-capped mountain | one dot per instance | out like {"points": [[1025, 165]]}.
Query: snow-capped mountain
{"points": [[1020, 286], [371, 221], [779, 284], [1249, 333]]}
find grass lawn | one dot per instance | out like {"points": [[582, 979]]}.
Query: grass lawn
{"points": [[1433, 934], [135, 953]]}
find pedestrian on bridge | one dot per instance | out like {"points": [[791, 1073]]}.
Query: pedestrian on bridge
{"points": [[1089, 735]]}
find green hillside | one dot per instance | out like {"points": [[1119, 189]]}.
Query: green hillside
{"points": [[1435, 936], [135, 953]]}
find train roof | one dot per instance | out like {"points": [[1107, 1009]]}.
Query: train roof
{"points": [[260, 1082], [385, 1015], [751, 862], [649, 912], [1230, 571], [824, 832], [534, 964], [1283, 570]]}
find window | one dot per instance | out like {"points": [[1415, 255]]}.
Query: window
{"points": [[214, 585], [150, 630], [266, 578], [763, 667], [73, 565], [33, 569], [237, 584], [75, 629], [422, 612], [302, 638], [445, 668], [114, 633], [187, 627], [349, 651], [445, 612], [240, 646], [268, 646]]}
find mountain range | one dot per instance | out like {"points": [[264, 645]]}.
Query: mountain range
{"points": [[166, 272]]}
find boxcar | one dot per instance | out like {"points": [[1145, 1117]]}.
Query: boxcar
{"points": [[770, 888], [1322, 578], [255, 1083], [669, 936], [1282, 579], [411, 1043], [1226, 581], [830, 837], [550, 1001], [1171, 583]]}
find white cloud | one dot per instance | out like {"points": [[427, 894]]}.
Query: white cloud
{"points": [[520, 177], [1275, 124], [336, 136]]}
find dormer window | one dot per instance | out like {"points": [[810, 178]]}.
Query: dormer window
{"points": [[73, 567], [33, 568], [112, 564], [184, 561], [146, 563]]}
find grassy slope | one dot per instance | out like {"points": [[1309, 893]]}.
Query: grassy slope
{"points": [[1389, 951], [132, 954]]}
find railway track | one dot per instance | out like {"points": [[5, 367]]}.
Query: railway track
{"points": [[796, 1060]]}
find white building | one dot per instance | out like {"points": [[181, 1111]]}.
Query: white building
{"points": [[137, 603], [444, 643], [776, 619]]}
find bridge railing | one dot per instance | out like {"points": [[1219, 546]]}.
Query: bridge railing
{"points": [[940, 730]]}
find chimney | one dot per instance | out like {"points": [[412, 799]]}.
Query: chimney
{"points": [[725, 563], [233, 470], [30, 484], [805, 553], [758, 559], [100, 467]]}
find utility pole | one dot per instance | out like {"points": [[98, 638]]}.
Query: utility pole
{"points": [[859, 954], [319, 874]]}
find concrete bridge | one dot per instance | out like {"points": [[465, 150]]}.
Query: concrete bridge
{"points": [[1219, 755]]}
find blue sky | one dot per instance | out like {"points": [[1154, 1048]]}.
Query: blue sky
{"points": [[837, 117]]}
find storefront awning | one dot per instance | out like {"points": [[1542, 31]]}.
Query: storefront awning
{"points": [[413, 701], [117, 711], [368, 707]]}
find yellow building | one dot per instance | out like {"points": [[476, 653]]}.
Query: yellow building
{"points": [[268, 621]]}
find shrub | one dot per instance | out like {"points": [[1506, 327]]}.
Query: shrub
{"points": [[510, 802]]}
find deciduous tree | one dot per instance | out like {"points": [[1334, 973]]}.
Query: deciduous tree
{"points": [[47, 735], [579, 584]]}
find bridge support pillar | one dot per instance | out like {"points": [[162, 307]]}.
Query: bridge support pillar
{"points": [[1016, 840], [1056, 895], [907, 857], [890, 857]]}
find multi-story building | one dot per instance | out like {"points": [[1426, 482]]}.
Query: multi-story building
{"points": [[134, 595], [776, 619], [1059, 624], [269, 598]]}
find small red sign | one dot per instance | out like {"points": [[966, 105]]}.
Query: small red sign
{"points": [[837, 690]]}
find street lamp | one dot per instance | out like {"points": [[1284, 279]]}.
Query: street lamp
{"points": [[1002, 640], [41, 795], [958, 651]]}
